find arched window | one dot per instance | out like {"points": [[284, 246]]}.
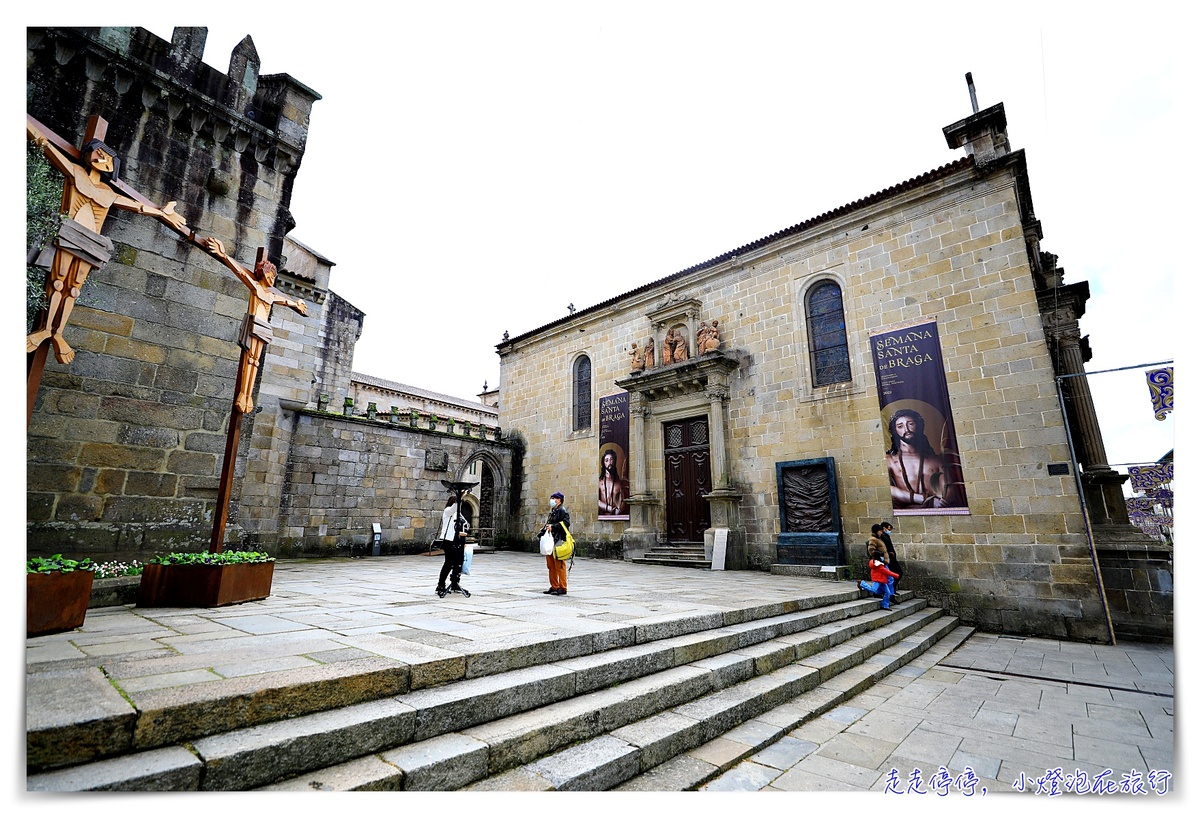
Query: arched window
{"points": [[581, 413], [827, 352]]}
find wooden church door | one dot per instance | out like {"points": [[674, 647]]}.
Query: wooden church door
{"points": [[688, 478]]}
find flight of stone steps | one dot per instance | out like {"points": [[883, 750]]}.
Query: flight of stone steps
{"points": [[566, 718], [677, 555]]}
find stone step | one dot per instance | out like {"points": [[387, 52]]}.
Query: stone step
{"points": [[378, 711], [490, 749], [121, 722], [667, 752], [692, 769], [673, 562]]}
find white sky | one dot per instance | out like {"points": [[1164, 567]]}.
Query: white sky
{"points": [[475, 167]]}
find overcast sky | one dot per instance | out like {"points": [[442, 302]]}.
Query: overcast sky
{"points": [[473, 167]]}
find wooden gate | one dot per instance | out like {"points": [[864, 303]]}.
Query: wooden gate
{"points": [[688, 478]]}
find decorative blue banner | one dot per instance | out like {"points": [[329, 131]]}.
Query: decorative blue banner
{"points": [[1148, 478], [1162, 390]]}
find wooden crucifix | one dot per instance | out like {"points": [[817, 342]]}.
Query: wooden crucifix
{"points": [[255, 335], [90, 189]]}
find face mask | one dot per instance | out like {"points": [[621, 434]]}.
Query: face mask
{"points": [[552, 503]]}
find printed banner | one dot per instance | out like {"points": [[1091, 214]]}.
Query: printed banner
{"points": [[613, 488], [1149, 478], [1162, 390], [921, 457]]}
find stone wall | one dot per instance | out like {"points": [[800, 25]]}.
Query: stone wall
{"points": [[948, 245], [125, 443], [1139, 585], [345, 473]]}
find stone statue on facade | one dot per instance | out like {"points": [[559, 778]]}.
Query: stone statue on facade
{"points": [[680, 351], [708, 338], [637, 362], [668, 347], [79, 247], [650, 352], [256, 327]]}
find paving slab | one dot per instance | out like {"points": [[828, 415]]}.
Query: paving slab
{"points": [[382, 612]]}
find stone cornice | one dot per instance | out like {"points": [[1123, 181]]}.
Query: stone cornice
{"points": [[694, 375]]}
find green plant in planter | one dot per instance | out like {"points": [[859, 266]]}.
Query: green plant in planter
{"points": [[57, 563], [57, 591], [206, 558], [205, 580]]}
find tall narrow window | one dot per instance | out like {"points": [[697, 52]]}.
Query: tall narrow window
{"points": [[582, 408], [827, 350]]}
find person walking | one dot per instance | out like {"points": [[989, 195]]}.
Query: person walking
{"points": [[557, 523], [452, 539], [875, 542], [881, 577], [885, 535]]}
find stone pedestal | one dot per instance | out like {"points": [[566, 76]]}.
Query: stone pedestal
{"points": [[640, 536], [1139, 583], [724, 513], [1105, 499]]}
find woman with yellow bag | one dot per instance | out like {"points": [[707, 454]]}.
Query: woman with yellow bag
{"points": [[558, 525]]}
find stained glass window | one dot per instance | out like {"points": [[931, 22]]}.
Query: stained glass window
{"points": [[582, 409], [827, 350]]}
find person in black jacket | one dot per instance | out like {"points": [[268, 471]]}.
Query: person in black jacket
{"points": [[555, 522], [452, 540], [885, 534]]}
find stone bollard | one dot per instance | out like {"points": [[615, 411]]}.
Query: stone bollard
{"points": [[348, 406], [323, 402]]}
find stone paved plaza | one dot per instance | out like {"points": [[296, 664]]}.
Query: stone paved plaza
{"points": [[1003, 706]]}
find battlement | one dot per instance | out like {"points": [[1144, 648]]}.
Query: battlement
{"points": [[265, 116]]}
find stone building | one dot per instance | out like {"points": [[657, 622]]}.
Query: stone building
{"points": [[444, 411], [126, 443], [791, 389]]}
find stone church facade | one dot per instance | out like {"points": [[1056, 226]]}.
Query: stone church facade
{"points": [[126, 443], [959, 245]]}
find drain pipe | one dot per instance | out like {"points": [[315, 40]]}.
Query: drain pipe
{"points": [[1087, 519]]}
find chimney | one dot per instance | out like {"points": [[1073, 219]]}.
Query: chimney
{"points": [[983, 134]]}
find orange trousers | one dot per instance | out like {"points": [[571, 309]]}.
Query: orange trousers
{"points": [[558, 572]]}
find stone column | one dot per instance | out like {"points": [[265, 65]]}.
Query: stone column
{"points": [[717, 394], [724, 500], [640, 536], [1102, 484]]}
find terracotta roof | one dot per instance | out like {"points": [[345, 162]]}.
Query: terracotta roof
{"points": [[916, 181]]}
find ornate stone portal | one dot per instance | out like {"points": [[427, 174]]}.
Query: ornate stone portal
{"points": [[684, 385]]}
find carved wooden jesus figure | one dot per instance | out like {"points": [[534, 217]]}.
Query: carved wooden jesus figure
{"points": [[79, 248], [256, 328]]}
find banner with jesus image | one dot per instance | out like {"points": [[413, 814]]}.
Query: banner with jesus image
{"points": [[613, 484], [921, 450]]}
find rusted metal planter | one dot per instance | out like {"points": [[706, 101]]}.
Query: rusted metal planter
{"points": [[204, 586], [56, 601]]}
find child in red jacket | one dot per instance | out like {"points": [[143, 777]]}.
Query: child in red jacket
{"points": [[882, 578]]}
